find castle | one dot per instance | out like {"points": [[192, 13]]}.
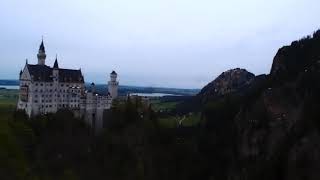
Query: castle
{"points": [[45, 89]]}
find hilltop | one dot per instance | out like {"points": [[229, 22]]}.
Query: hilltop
{"points": [[231, 81]]}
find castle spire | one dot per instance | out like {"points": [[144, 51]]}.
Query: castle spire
{"points": [[41, 54], [56, 65], [41, 48]]}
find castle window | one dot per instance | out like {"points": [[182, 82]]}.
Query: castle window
{"points": [[43, 101], [41, 84], [36, 84], [35, 101], [50, 84]]}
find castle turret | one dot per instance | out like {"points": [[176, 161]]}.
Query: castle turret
{"points": [[113, 85], [41, 54], [55, 71], [93, 88]]}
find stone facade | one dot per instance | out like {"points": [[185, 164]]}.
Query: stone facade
{"points": [[45, 89]]}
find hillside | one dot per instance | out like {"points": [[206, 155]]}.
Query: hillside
{"points": [[291, 61], [273, 132], [231, 81], [280, 129]]}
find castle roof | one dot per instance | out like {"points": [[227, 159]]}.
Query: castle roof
{"points": [[113, 72], [44, 73], [40, 72], [70, 75]]}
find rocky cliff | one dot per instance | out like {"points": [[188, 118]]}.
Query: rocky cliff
{"points": [[290, 61], [278, 133], [267, 126]]}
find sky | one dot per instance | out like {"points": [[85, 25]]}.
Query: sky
{"points": [[162, 43]]}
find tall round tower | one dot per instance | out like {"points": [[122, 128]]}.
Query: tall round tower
{"points": [[113, 85], [41, 54]]}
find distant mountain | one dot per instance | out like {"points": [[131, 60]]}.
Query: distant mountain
{"points": [[231, 81], [9, 82], [124, 90]]}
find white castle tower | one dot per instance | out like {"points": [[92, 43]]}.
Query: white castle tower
{"points": [[113, 85]]}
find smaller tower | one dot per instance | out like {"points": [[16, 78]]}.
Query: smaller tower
{"points": [[113, 85], [93, 88], [55, 71], [55, 78], [41, 54]]}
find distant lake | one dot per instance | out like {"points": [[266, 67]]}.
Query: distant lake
{"points": [[153, 94], [9, 87]]}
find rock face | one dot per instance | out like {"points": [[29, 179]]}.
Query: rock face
{"points": [[278, 132], [231, 81], [270, 127], [294, 59]]}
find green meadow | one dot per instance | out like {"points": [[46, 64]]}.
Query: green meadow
{"points": [[8, 100]]}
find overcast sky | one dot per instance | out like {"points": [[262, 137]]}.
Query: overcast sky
{"points": [[168, 43]]}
